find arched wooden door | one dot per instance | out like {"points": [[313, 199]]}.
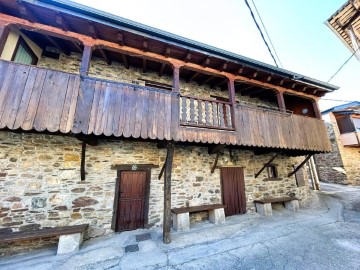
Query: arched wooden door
{"points": [[233, 190], [132, 203]]}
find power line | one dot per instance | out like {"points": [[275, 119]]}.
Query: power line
{"points": [[261, 33], [340, 68], [267, 34]]}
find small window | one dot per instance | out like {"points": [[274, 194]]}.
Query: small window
{"points": [[23, 54], [272, 171], [157, 85]]}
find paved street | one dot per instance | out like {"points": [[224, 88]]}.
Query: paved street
{"points": [[324, 236]]}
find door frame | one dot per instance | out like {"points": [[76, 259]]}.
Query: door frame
{"points": [[132, 167]]}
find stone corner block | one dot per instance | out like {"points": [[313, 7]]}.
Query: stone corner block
{"points": [[292, 206], [181, 222], [264, 209], [217, 216], [69, 243]]}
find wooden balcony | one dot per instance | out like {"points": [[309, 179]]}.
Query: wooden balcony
{"points": [[33, 98]]}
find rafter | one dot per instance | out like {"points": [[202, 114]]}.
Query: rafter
{"points": [[241, 70], [120, 39], [265, 165], [95, 34], [193, 77], [187, 57], [167, 52], [255, 92], [206, 62], [224, 66], [207, 80], [125, 60], [162, 69], [220, 83], [57, 45], [300, 165], [144, 65], [145, 45]]}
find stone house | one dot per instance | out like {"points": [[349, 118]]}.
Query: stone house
{"points": [[112, 123], [342, 165]]}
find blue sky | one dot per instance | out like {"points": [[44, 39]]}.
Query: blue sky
{"points": [[297, 29]]}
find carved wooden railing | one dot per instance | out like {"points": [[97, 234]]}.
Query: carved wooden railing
{"points": [[206, 113]]}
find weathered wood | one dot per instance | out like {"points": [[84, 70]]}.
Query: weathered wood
{"points": [[200, 208], [82, 168], [276, 200], [85, 60], [300, 165], [281, 101], [215, 163], [266, 164], [176, 78], [42, 233], [167, 194], [316, 109], [4, 32]]}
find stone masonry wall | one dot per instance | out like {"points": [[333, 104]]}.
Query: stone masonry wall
{"points": [[330, 166], [350, 157], [40, 180], [117, 72]]}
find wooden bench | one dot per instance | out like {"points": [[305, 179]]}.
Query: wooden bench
{"points": [[264, 206], [181, 217], [69, 241]]}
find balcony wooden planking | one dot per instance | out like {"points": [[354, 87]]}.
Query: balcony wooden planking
{"points": [[33, 98]]}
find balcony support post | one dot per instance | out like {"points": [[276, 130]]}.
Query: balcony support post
{"points": [[316, 109], [281, 101], [4, 33], [232, 100], [85, 60], [176, 77]]}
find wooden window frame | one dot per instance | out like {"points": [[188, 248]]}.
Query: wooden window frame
{"points": [[276, 172], [21, 41]]}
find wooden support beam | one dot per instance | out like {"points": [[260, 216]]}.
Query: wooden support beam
{"points": [[57, 45], [316, 109], [162, 169], [207, 80], [125, 60], [281, 101], [215, 148], [300, 165], [167, 194], [220, 83], [257, 91], [4, 33], [193, 76], [82, 168], [104, 55], [255, 75], [215, 163], [231, 90], [206, 62], [246, 88], [145, 45], [167, 52], [266, 164], [176, 78], [304, 88], [241, 69], [85, 60], [162, 69], [61, 22], [187, 57], [144, 65], [25, 12], [224, 66], [269, 78], [120, 38]]}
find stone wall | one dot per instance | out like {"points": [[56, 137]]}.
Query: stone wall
{"points": [[40, 180], [330, 166]]}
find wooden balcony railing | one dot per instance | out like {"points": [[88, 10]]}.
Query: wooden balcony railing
{"points": [[33, 98], [205, 113]]}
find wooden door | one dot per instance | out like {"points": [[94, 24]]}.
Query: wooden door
{"points": [[233, 190], [131, 210]]}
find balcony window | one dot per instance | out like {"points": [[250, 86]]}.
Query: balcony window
{"points": [[23, 54]]}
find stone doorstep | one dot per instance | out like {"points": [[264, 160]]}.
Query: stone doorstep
{"points": [[143, 237], [131, 248]]}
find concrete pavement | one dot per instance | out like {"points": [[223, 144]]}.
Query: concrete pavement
{"points": [[324, 236]]}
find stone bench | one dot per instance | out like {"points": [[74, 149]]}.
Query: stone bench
{"points": [[181, 217], [70, 237], [264, 206]]}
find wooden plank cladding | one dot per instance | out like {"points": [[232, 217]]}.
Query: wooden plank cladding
{"points": [[33, 98]]}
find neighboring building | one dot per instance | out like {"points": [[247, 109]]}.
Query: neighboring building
{"points": [[91, 104], [342, 165], [345, 23]]}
